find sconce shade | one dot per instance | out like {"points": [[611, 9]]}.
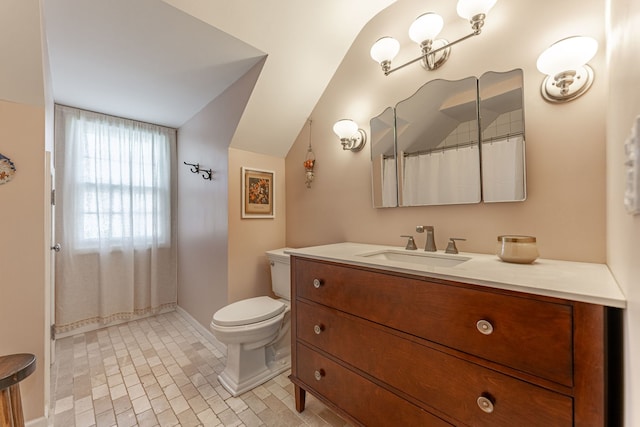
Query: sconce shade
{"points": [[467, 9], [426, 27], [385, 49], [351, 136], [345, 128], [568, 54]]}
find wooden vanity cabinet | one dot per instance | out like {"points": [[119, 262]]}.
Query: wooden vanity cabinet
{"points": [[385, 348]]}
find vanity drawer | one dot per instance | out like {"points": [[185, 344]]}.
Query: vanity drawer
{"points": [[524, 333], [363, 400], [449, 384]]}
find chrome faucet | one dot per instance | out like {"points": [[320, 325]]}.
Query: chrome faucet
{"points": [[430, 245]]}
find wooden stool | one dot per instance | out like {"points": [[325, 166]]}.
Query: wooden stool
{"points": [[13, 369]]}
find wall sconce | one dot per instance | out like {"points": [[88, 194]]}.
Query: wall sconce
{"points": [[351, 137], [565, 64], [424, 30]]}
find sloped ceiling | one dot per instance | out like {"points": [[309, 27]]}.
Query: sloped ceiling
{"points": [[162, 61], [142, 59]]}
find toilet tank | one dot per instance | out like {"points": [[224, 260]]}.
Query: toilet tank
{"points": [[280, 272]]}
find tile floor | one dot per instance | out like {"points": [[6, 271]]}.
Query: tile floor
{"points": [[161, 371]]}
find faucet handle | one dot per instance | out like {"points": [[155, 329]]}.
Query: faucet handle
{"points": [[451, 247], [411, 244]]}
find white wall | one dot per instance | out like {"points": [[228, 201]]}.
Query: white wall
{"points": [[203, 204], [623, 230]]}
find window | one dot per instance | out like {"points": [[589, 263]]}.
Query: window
{"points": [[120, 181]]}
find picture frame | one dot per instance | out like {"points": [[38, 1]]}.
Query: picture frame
{"points": [[258, 196]]}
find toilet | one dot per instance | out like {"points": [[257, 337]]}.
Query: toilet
{"points": [[256, 332]]}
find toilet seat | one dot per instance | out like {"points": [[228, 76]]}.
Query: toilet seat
{"points": [[248, 311]]}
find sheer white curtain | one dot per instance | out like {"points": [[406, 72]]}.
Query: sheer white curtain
{"points": [[449, 176], [503, 170], [115, 219]]}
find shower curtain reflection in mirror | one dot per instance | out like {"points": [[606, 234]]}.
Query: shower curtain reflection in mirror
{"points": [[116, 219]]}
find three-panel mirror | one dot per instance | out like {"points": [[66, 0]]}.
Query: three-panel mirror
{"points": [[452, 142]]}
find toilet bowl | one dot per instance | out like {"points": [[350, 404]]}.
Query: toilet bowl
{"points": [[256, 332]]}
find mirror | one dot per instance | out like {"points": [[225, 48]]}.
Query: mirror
{"points": [[383, 160], [432, 140], [438, 145], [502, 127]]}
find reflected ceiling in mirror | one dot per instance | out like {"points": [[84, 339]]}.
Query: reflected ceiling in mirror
{"points": [[438, 144]]}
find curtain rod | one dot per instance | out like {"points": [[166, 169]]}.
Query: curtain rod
{"points": [[443, 149], [506, 136], [116, 117]]}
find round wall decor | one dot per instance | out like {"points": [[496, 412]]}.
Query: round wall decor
{"points": [[7, 169]]}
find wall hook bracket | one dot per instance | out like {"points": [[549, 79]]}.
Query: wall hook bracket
{"points": [[195, 168]]}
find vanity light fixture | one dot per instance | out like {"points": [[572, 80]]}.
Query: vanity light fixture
{"points": [[424, 31], [351, 136], [565, 64]]}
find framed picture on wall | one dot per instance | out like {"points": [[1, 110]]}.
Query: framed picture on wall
{"points": [[257, 193]]}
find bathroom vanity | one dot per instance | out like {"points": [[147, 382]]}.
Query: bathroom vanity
{"points": [[481, 343]]}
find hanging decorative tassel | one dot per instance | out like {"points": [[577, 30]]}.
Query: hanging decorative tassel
{"points": [[309, 162]]}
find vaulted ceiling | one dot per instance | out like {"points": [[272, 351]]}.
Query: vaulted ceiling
{"points": [[162, 61]]}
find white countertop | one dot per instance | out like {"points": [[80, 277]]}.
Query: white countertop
{"points": [[577, 281]]}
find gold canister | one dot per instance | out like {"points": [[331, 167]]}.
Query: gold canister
{"points": [[517, 249]]}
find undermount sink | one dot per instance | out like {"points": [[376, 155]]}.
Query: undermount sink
{"points": [[421, 258]]}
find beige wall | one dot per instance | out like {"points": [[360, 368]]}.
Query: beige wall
{"points": [[22, 261], [249, 238], [202, 204], [565, 208], [623, 230]]}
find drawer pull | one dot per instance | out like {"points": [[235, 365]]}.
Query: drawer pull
{"points": [[317, 283], [485, 404], [319, 374], [318, 329], [485, 327]]}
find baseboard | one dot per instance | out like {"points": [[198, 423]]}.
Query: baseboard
{"points": [[38, 422], [202, 330]]}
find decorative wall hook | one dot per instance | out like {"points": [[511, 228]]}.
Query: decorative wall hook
{"points": [[195, 168], [206, 174]]}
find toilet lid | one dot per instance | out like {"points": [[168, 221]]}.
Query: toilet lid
{"points": [[248, 311]]}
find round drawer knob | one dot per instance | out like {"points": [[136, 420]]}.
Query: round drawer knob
{"points": [[317, 283], [485, 404], [318, 329], [319, 374], [485, 327]]}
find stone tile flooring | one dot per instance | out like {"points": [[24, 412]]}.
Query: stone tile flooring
{"points": [[161, 371]]}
